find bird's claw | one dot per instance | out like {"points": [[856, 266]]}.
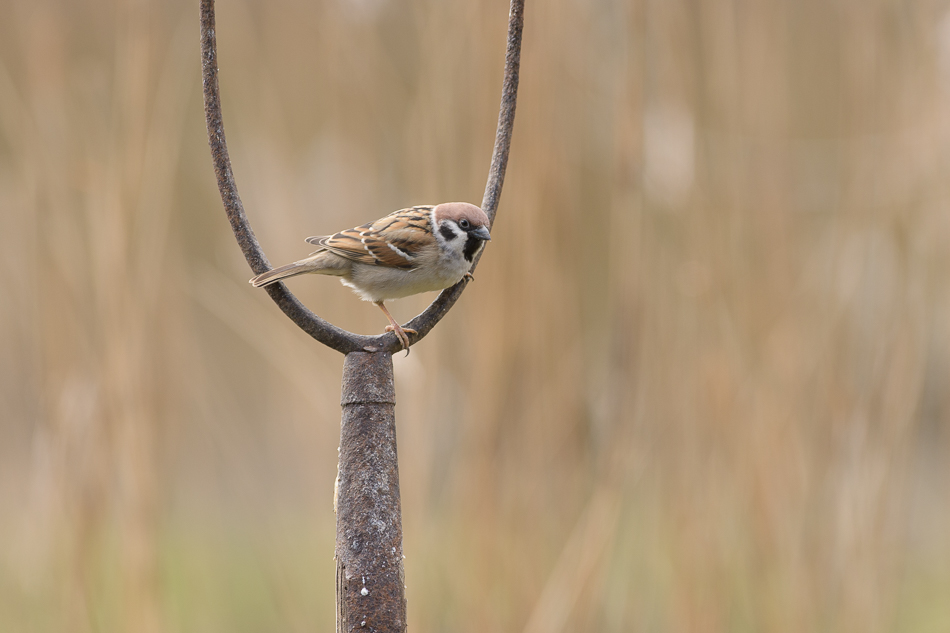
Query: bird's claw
{"points": [[402, 334], [469, 276]]}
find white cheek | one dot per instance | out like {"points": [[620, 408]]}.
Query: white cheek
{"points": [[461, 237], [456, 245]]}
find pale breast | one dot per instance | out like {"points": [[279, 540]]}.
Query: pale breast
{"points": [[378, 283]]}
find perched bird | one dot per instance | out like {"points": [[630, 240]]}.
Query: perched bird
{"points": [[409, 251]]}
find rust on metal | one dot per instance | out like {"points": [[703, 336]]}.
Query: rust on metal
{"points": [[370, 578]]}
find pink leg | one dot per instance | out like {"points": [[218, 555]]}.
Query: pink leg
{"points": [[395, 327]]}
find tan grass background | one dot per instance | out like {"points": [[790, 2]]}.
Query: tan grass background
{"points": [[700, 385]]}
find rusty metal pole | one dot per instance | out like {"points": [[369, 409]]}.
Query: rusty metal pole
{"points": [[370, 578], [370, 581]]}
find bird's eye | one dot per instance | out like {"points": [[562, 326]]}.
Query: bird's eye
{"points": [[464, 224]]}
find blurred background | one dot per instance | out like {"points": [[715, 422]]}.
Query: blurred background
{"points": [[701, 382]]}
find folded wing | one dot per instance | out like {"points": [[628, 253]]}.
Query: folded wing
{"points": [[395, 241]]}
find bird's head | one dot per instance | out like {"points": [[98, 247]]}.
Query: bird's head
{"points": [[461, 225]]}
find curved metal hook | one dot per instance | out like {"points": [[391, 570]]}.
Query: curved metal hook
{"points": [[323, 331]]}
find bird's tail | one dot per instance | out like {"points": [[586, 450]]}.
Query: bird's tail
{"points": [[283, 272]]}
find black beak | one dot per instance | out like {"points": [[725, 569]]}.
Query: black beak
{"points": [[482, 234]]}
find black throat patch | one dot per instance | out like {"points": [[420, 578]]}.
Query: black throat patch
{"points": [[472, 246]]}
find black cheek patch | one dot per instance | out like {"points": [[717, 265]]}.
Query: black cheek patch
{"points": [[447, 233], [472, 246]]}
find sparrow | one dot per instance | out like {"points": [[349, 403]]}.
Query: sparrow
{"points": [[419, 249]]}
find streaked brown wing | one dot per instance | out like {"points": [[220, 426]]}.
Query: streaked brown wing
{"points": [[393, 241]]}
